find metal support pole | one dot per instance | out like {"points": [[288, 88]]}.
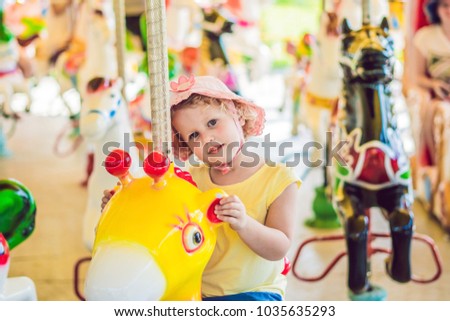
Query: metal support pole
{"points": [[158, 75], [119, 13]]}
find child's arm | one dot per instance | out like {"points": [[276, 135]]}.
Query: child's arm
{"points": [[272, 240], [422, 79]]}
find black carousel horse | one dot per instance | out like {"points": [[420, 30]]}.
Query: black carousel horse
{"points": [[377, 171], [374, 170]]}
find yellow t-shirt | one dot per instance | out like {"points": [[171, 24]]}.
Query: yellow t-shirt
{"points": [[234, 267]]}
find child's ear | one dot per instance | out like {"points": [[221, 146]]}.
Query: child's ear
{"points": [[241, 121]]}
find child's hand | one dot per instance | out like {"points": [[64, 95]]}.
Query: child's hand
{"points": [[107, 194], [441, 89], [232, 210]]}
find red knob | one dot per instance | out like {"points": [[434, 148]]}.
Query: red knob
{"points": [[118, 162], [4, 250], [210, 214], [156, 164]]}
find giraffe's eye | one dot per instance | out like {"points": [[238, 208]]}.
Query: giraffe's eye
{"points": [[192, 237]]}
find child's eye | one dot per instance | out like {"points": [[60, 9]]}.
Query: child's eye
{"points": [[212, 122], [194, 135]]}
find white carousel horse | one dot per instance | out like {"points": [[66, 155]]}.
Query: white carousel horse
{"points": [[100, 59], [92, 52], [60, 21], [12, 81], [297, 77], [104, 123], [17, 288], [324, 83]]}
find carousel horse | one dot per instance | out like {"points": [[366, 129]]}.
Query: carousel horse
{"points": [[17, 220], [155, 236], [12, 79], [100, 57], [104, 123], [92, 51], [376, 172], [296, 79], [324, 86], [373, 169], [60, 20]]}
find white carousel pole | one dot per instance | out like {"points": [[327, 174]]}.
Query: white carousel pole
{"points": [[158, 75], [119, 13], [366, 12]]}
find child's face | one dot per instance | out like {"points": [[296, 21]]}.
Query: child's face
{"points": [[213, 135]]}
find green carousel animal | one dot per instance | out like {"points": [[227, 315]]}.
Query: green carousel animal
{"points": [[17, 212], [17, 221]]}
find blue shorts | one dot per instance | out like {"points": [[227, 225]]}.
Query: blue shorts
{"points": [[247, 296]]}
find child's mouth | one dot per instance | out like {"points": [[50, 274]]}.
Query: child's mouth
{"points": [[214, 149]]}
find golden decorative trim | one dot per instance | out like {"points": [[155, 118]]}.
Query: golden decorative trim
{"points": [[320, 102]]}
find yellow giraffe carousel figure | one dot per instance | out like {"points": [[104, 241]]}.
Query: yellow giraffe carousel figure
{"points": [[155, 236]]}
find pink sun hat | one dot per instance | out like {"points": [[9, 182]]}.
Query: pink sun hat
{"points": [[212, 87]]}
